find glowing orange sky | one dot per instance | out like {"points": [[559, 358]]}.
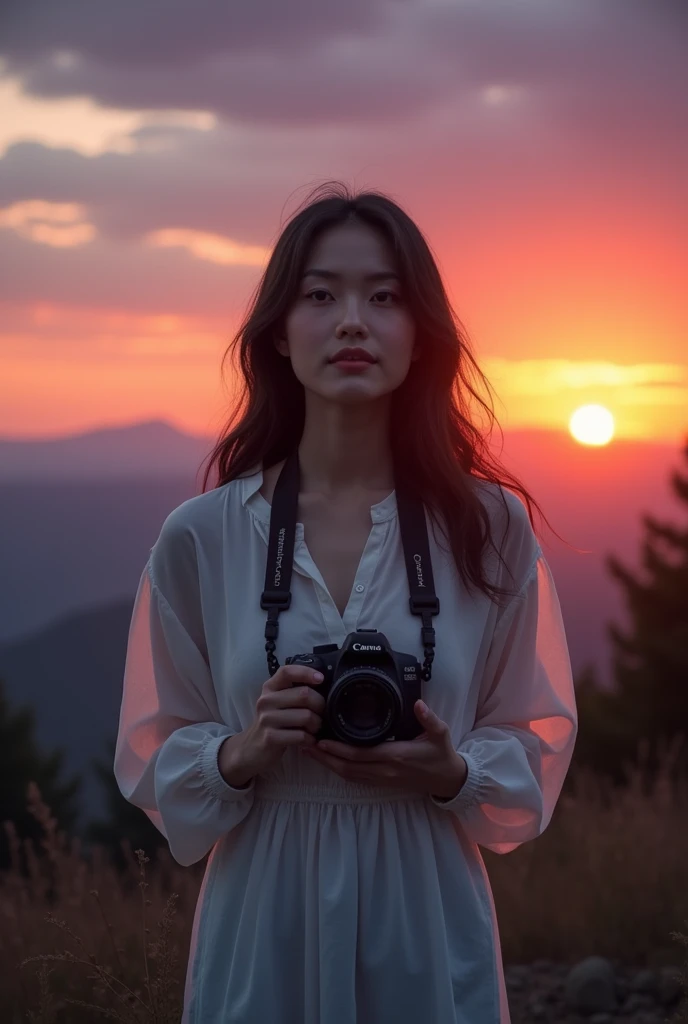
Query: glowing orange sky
{"points": [[552, 333]]}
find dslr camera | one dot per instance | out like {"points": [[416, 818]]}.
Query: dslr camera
{"points": [[369, 689]]}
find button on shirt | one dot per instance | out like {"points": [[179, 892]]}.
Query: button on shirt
{"points": [[324, 899]]}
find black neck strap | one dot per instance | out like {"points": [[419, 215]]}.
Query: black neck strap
{"points": [[276, 596]]}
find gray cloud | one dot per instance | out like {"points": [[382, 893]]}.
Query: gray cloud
{"points": [[220, 182], [174, 32], [366, 60], [338, 81]]}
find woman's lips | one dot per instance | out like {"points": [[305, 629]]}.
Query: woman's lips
{"points": [[352, 365]]}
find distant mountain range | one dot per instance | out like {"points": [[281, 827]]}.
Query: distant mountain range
{"points": [[154, 450], [79, 515]]}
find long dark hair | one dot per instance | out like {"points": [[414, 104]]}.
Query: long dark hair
{"points": [[436, 443]]}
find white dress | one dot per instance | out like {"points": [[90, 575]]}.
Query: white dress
{"points": [[325, 901]]}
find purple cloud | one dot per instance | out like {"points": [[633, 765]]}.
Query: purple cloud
{"points": [[367, 61], [174, 32]]}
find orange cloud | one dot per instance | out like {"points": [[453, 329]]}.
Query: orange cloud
{"points": [[206, 246], [62, 225]]}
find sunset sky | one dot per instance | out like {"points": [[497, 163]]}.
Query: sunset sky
{"points": [[150, 153]]}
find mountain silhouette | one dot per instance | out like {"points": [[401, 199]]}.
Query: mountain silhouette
{"points": [[151, 450], [71, 674]]}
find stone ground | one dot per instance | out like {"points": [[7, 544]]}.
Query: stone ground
{"points": [[594, 991]]}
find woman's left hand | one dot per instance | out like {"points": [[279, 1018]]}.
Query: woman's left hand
{"points": [[426, 764]]}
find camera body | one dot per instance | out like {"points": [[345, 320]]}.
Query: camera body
{"points": [[369, 689]]}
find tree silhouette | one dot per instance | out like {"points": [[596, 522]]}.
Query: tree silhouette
{"points": [[649, 701], [607, 738], [650, 660], [124, 820], [21, 762]]}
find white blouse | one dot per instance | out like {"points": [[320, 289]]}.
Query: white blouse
{"points": [[325, 900]]}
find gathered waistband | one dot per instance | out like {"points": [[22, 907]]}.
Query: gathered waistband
{"points": [[349, 793]]}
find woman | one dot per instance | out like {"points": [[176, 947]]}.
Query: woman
{"points": [[344, 883]]}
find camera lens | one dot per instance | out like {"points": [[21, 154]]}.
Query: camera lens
{"points": [[364, 706]]}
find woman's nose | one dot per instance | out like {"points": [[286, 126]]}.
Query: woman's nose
{"points": [[352, 317]]}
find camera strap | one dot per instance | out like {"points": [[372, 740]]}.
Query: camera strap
{"points": [[276, 596]]}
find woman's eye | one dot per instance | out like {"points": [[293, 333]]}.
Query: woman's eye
{"points": [[323, 291]]}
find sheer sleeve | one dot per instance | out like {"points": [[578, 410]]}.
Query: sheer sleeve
{"points": [[520, 748], [170, 729]]}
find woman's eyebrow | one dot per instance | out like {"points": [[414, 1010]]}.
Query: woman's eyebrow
{"points": [[332, 275]]}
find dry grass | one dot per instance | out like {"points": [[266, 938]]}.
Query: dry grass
{"points": [[607, 877], [79, 941]]}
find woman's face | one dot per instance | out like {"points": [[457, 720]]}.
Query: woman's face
{"points": [[340, 304]]}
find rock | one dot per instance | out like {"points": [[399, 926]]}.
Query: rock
{"points": [[638, 1001], [517, 977], [621, 989], [602, 1018], [669, 988], [590, 986], [645, 981], [523, 970], [515, 984]]}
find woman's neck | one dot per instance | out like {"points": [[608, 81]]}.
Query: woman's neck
{"points": [[344, 449]]}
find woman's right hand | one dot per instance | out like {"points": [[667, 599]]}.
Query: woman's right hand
{"points": [[287, 715]]}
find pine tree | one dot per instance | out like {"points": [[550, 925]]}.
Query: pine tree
{"points": [[607, 741], [21, 762], [650, 660]]}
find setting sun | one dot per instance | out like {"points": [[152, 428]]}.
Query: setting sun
{"points": [[592, 424]]}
